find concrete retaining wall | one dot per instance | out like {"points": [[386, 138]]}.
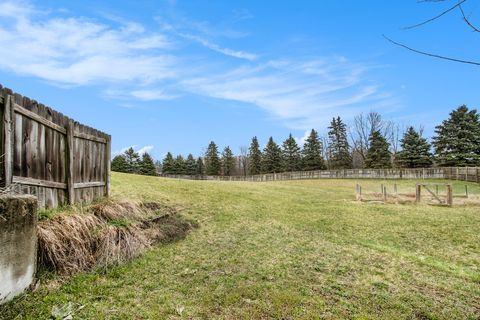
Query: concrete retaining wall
{"points": [[18, 244]]}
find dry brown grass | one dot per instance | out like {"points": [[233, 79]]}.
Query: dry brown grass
{"points": [[66, 244], [108, 233]]}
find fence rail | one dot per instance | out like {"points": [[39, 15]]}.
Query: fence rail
{"points": [[458, 173], [50, 155]]}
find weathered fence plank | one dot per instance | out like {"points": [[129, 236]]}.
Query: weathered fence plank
{"points": [[49, 155]]}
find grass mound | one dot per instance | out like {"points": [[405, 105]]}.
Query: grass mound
{"points": [[107, 233]]}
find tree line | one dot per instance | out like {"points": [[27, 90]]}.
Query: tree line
{"points": [[131, 162], [370, 142]]}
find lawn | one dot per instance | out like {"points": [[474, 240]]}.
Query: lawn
{"points": [[284, 250]]}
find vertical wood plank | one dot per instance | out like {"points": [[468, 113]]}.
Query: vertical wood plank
{"points": [[8, 134], [69, 157], [108, 147]]}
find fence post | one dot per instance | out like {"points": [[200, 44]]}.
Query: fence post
{"points": [[418, 193], [449, 195], [108, 150], [69, 157], [8, 117]]}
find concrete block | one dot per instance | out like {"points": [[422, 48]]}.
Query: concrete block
{"points": [[18, 244]]}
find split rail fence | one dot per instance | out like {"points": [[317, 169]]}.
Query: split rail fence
{"points": [[471, 174], [49, 155]]}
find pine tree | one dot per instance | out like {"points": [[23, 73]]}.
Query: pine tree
{"points": [[378, 155], [147, 166], [200, 166], [292, 157], [119, 164], [457, 142], [255, 157], [228, 162], [312, 153], [168, 163], [338, 147], [190, 165], [272, 158], [415, 151], [132, 161], [212, 161], [179, 166]]}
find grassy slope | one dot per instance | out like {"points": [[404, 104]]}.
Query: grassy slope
{"points": [[301, 249]]}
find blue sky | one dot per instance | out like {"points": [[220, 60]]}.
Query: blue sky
{"points": [[174, 75]]}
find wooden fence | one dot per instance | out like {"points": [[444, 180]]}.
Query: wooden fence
{"points": [[464, 174], [46, 154]]}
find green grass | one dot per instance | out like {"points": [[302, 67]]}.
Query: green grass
{"points": [[285, 250]]}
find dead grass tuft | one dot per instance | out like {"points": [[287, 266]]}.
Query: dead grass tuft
{"points": [[66, 243], [109, 233], [118, 245]]}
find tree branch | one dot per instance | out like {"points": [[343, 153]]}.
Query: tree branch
{"points": [[431, 54], [467, 21], [436, 17]]}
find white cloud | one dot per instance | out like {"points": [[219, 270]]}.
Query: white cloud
{"points": [[217, 48], [303, 93], [115, 153], [116, 54], [145, 149], [140, 151], [78, 51]]}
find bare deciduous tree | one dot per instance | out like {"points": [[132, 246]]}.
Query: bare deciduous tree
{"points": [[243, 160]]}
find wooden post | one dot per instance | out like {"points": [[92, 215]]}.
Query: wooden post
{"points": [[8, 117], [69, 157], [436, 189], [385, 194], [108, 149], [466, 191], [449, 195], [418, 193]]}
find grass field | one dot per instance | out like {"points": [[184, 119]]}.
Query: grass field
{"points": [[284, 250]]}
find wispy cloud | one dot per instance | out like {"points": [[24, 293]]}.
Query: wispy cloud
{"points": [[145, 149], [117, 54], [215, 47], [140, 151], [77, 51], [300, 92]]}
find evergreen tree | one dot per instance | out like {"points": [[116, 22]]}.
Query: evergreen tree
{"points": [[190, 165], [179, 166], [212, 161], [415, 151], [255, 157], [272, 157], [168, 163], [119, 164], [132, 161], [200, 166], [378, 155], [312, 153], [147, 166], [338, 147], [457, 140], [292, 157], [228, 162]]}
